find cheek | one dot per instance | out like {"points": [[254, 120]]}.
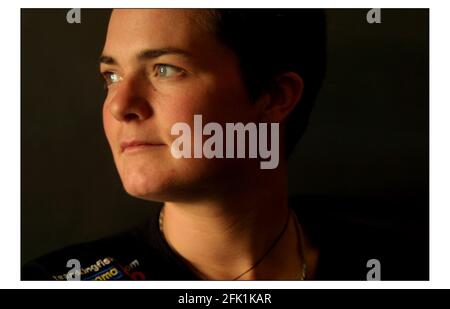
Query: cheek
{"points": [[227, 101], [214, 101], [107, 124]]}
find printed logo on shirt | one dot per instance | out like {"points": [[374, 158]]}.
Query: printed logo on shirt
{"points": [[106, 269]]}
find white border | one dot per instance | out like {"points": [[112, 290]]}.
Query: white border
{"points": [[10, 146]]}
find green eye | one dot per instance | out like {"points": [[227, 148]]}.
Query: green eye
{"points": [[165, 70], [111, 78]]}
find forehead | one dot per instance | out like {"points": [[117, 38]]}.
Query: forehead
{"points": [[131, 30]]}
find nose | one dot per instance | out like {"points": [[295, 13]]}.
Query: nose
{"points": [[130, 101]]}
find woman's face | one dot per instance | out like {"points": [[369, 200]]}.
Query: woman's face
{"points": [[163, 67]]}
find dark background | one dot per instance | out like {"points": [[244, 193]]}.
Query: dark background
{"points": [[367, 143]]}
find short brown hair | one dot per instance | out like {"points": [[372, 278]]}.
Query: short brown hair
{"points": [[268, 42]]}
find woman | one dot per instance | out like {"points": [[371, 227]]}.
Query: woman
{"points": [[181, 84]]}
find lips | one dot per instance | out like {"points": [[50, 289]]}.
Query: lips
{"points": [[136, 144]]}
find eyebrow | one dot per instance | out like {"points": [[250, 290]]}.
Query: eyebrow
{"points": [[147, 54]]}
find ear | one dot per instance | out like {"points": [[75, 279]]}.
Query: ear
{"points": [[278, 101]]}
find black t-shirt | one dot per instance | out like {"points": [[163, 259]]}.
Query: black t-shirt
{"points": [[345, 245]]}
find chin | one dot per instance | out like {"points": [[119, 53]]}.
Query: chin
{"points": [[149, 192], [160, 194], [190, 180], [144, 184]]}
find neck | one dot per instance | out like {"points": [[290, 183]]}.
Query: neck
{"points": [[222, 238]]}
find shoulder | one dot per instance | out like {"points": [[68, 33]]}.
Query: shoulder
{"points": [[135, 254], [354, 235], [110, 255]]}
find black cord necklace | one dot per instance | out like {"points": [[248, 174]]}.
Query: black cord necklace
{"points": [[274, 243]]}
